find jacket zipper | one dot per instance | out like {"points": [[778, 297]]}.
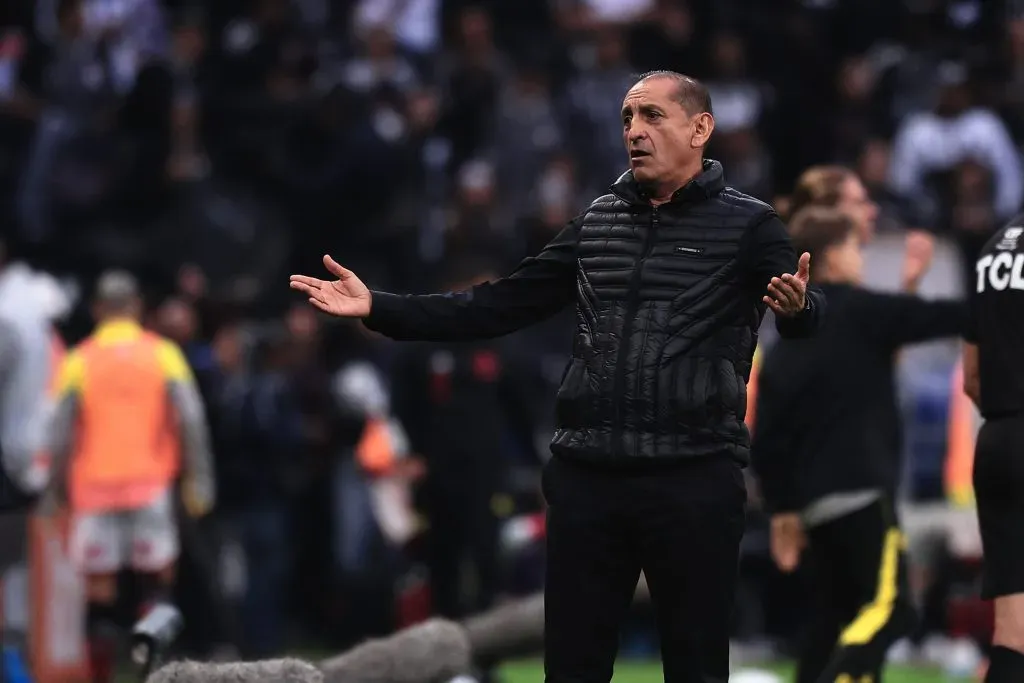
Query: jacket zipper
{"points": [[632, 306]]}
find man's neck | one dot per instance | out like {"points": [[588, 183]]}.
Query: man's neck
{"points": [[662, 193]]}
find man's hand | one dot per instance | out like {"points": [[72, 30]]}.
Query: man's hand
{"points": [[917, 258], [346, 297], [787, 294], [787, 541]]}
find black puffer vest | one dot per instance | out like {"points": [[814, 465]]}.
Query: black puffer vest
{"points": [[666, 326]]}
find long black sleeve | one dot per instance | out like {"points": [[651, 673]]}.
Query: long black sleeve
{"points": [[766, 252], [773, 452], [898, 319], [537, 289]]}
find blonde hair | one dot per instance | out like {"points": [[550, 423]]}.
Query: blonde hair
{"points": [[818, 186]]}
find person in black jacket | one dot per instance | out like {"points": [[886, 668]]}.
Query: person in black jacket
{"points": [[994, 379], [671, 273], [827, 452]]}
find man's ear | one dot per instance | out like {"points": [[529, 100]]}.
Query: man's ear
{"points": [[704, 125]]}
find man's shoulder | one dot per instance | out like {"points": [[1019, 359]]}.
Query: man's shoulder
{"points": [[606, 200], [745, 203]]}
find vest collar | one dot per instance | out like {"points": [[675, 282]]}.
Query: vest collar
{"points": [[705, 185], [117, 330]]}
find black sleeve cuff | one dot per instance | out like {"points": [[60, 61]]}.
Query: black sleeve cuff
{"points": [[386, 312]]}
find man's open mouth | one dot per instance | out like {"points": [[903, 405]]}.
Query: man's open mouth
{"points": [[637, 153]]}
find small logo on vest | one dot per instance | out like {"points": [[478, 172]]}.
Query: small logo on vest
{"points": [[1010, 237], [690, 251]]}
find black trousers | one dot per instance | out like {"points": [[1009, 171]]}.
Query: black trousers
{"points": [[681, 524], [861, 598], [463, 527]]}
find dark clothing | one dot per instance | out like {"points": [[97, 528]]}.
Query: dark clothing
{"points": [[463, 528], [998, 482], [668, 303], [681, 523], [458, 402], [858, 568], [827, 418], [996, 323]]}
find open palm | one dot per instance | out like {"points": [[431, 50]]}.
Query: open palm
{"points": [[346, 297]]}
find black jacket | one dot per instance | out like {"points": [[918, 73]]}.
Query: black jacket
{"points": [[827, 418], [668, 302]]}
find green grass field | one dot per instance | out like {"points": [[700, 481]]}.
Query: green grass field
{"points": [[650, 672]]}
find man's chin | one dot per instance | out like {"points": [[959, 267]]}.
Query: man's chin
{"points": [[642, 174]]}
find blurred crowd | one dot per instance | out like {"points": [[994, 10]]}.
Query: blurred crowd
{"points": [[213, 147]]}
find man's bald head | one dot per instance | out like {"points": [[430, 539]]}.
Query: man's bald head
{"points": [[691, 94]]}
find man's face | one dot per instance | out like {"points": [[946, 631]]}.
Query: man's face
{"points": [[661, 137]]}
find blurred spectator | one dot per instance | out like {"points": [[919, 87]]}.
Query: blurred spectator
{"points": [[668, 39], [457, 402], [593, 101], [472, 74], [929, 145], [526, 135], [873, 169], [259, 417]]}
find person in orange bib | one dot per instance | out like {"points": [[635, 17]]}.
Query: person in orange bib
{"points": [[129, 423]]}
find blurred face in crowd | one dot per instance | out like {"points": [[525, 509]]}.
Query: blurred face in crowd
{"points": [[610, 50], [953, 100], [189, 43], [873, 165], [475, 29], [302, 323], [729, 56], [855, 202], [844, 262], [177, 320], [228, 348], [665, 142], [69, 17], [676, 20], [380, 44], [856, 80]]}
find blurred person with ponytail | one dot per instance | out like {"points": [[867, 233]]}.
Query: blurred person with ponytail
{"points": [[828, 459]]}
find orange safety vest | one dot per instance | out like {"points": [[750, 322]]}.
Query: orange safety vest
{"points": [[962, 430], [126, 446]]}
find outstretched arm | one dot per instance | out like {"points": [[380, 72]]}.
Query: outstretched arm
{"points": [[537, 289]]}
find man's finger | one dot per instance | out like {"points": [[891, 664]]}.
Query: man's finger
{"points": [[773, 304], [306, 289], [804, 270], [796, 283], [306, 280], [336, 268], [319, 304], [783, 293]]}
